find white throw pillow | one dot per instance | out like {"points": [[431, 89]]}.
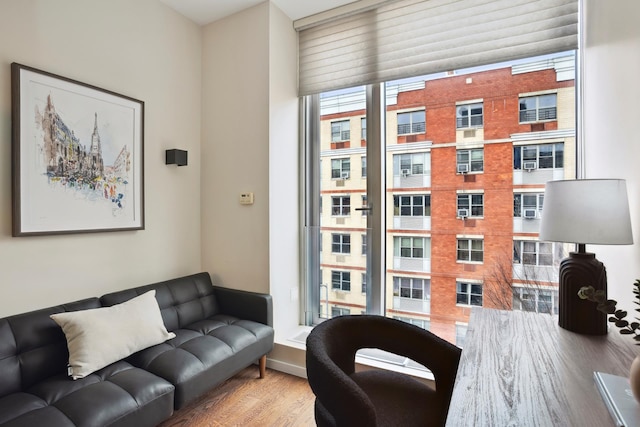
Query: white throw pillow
{"points": [[101, 336]]}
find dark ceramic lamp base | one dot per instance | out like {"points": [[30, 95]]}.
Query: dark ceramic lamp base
{"points": [[575, 314]]}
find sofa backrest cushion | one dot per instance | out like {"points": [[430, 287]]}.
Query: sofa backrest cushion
{"points": [[33, 347], [182, 301]]}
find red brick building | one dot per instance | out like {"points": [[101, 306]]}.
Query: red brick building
{"points": [[468, 156]]}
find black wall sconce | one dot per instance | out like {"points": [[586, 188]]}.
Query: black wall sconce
{"points": [[176, 157]]}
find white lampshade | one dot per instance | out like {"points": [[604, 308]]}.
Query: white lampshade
{"points": [[593, 211]]}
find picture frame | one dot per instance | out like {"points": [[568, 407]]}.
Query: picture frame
{"points": [[77, 156]]}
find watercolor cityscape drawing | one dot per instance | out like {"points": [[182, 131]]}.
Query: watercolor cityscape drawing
{"points": [[77, 156], [78, 166]]}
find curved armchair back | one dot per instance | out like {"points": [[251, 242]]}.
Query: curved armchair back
{"points": [[331, 349]]}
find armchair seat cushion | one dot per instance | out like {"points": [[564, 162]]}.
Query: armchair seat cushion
{"points": [[399, 399], [205, 353], [134, 395]]}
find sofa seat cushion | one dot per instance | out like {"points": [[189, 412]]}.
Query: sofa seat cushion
{"points": [[118, 394], [205, 353]]}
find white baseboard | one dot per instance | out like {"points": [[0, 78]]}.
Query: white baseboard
{"points": [[287, 368]]}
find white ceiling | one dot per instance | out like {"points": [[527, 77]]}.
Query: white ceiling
{"points": [[203, 12]]}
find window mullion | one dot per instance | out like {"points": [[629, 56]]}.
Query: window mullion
{"points": [[376, 228]]}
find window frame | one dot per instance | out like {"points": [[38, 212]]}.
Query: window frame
{"points": [[520, 254], [460, 119], [398, 247], [343, 134], [339, 311], [473, 165], [474, 209], [519, 301], [344, 166], [343, 246], [469, 250], [537, 108], [398, 206], [414, 127], [341, 281], [414, 166], [424, 287], [468, 294], [557, 156], [342, 206], [519, 208]]}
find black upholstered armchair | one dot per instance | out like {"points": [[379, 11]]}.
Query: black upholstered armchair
{"points": [[375, 397]]}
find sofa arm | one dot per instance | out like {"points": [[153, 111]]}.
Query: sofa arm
{"points": [[245, 305]]}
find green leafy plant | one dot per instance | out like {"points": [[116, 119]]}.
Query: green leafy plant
{"points": [[608, 306]]}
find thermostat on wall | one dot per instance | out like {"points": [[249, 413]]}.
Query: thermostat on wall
{"points": [[246, 198]]}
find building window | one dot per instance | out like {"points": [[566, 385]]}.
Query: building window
{"points": [[413, 288], [340, 168], [545, 156], [364, 211], [422, 323], [341, 280], [538, 108], [364, 166], [529, 252], [409, 247], [413, 122], [470, 250], [341, 205], [527, 205], [536, 300], [470, 160], [364, 245], [340, 131], [364, 283], [341, 243], [471, 205], [469, 293], [409, 164], [363, 126], [340, 311], [412, 205], [469, 116]]}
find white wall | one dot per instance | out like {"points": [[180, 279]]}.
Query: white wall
{"points": [[284, 212], [611, 93], [235, 149], [141, 49], [250, 143]]}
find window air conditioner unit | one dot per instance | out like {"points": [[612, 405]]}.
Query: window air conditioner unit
{"points": [[529, 213], [463, 213], [463, 168], [529, 166], [406, 172], [344, 175]]}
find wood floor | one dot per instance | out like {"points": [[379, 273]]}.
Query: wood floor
{"points": [[278, 400]]}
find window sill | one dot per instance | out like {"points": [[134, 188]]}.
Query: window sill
{"points": [[375, 360], [538, 121]]}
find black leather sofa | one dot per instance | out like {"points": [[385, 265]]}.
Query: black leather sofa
{"points": [[219, 331]]}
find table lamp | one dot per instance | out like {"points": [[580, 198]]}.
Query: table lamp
{"points": [[585, 211]]}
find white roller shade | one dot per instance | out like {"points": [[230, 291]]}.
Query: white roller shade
{"points": [[408, 38]]}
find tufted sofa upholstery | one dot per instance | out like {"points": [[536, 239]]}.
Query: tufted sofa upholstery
{"points": [[218, 331]]}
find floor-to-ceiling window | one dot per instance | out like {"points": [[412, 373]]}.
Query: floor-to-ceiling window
{"points": [[434, 176]]}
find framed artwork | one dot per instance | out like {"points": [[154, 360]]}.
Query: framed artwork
{"points": [[77, 156]]}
